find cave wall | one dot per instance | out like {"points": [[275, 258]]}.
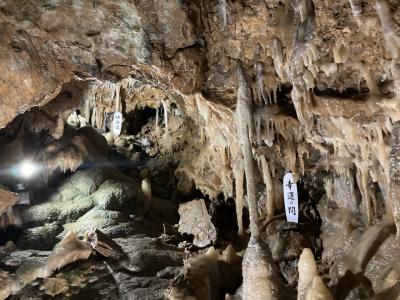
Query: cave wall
{"points": [[324, 80]]}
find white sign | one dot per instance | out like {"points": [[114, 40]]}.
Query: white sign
{"points": [[117, 123], [291, 199]]}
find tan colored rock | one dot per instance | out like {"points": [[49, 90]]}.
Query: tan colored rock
{"points": [[7, 199], [55, 285], [195, 220], [318, 290], [5, 285], [69, 250]]}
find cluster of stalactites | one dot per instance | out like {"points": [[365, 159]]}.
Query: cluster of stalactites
{"points": [[362, 147], [103, 99]]}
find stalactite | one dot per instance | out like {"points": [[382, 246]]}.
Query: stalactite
{"points": [[330, 68], [203, 109], [223, 13], [93, 117], [396, 78], [166, 137], [58, 131], [238, 173], [394, 184], [244, 119], [305, 55], [270, 134], [340, 53], [308, 79], [356, 8], [277, 55], [302, 7], [117, 97], [260, 83], [366, 74], [391, 38], [268, 187], [328, 186], [362, 181], [157, 116], [290, 156], [257, 125]]}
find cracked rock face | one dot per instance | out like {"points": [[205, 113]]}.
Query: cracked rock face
{"points": [[219, 100]]}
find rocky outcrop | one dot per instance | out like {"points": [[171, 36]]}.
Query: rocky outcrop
{"points": [[195, 220]]}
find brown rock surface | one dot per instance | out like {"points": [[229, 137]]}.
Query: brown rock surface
{"points": [[323, 92]]}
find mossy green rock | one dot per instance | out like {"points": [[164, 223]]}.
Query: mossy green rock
{"points": [[115, 195]]}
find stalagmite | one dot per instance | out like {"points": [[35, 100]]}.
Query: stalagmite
{"points": [[310, 286], [260, 275], [318, 290], [307, 272], [146, 189], [229, 255], [200, 278], [394, 167]]}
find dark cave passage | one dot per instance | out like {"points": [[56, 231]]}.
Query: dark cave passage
{"points": [[138, 118]]}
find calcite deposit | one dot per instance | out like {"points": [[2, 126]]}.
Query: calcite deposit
{"points": [[168, 126]]}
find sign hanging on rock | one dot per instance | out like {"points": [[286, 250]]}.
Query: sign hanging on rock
{"points": [[291, 198], [117, 123]]}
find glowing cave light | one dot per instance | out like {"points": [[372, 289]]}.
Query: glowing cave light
{"points": [[27, 169]]}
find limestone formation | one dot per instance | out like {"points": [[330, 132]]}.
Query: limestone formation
{"points": [[129, 112], [195, 220]]}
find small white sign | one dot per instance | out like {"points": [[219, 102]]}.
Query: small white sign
{"points": [[291, 199], [117, 123]]}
